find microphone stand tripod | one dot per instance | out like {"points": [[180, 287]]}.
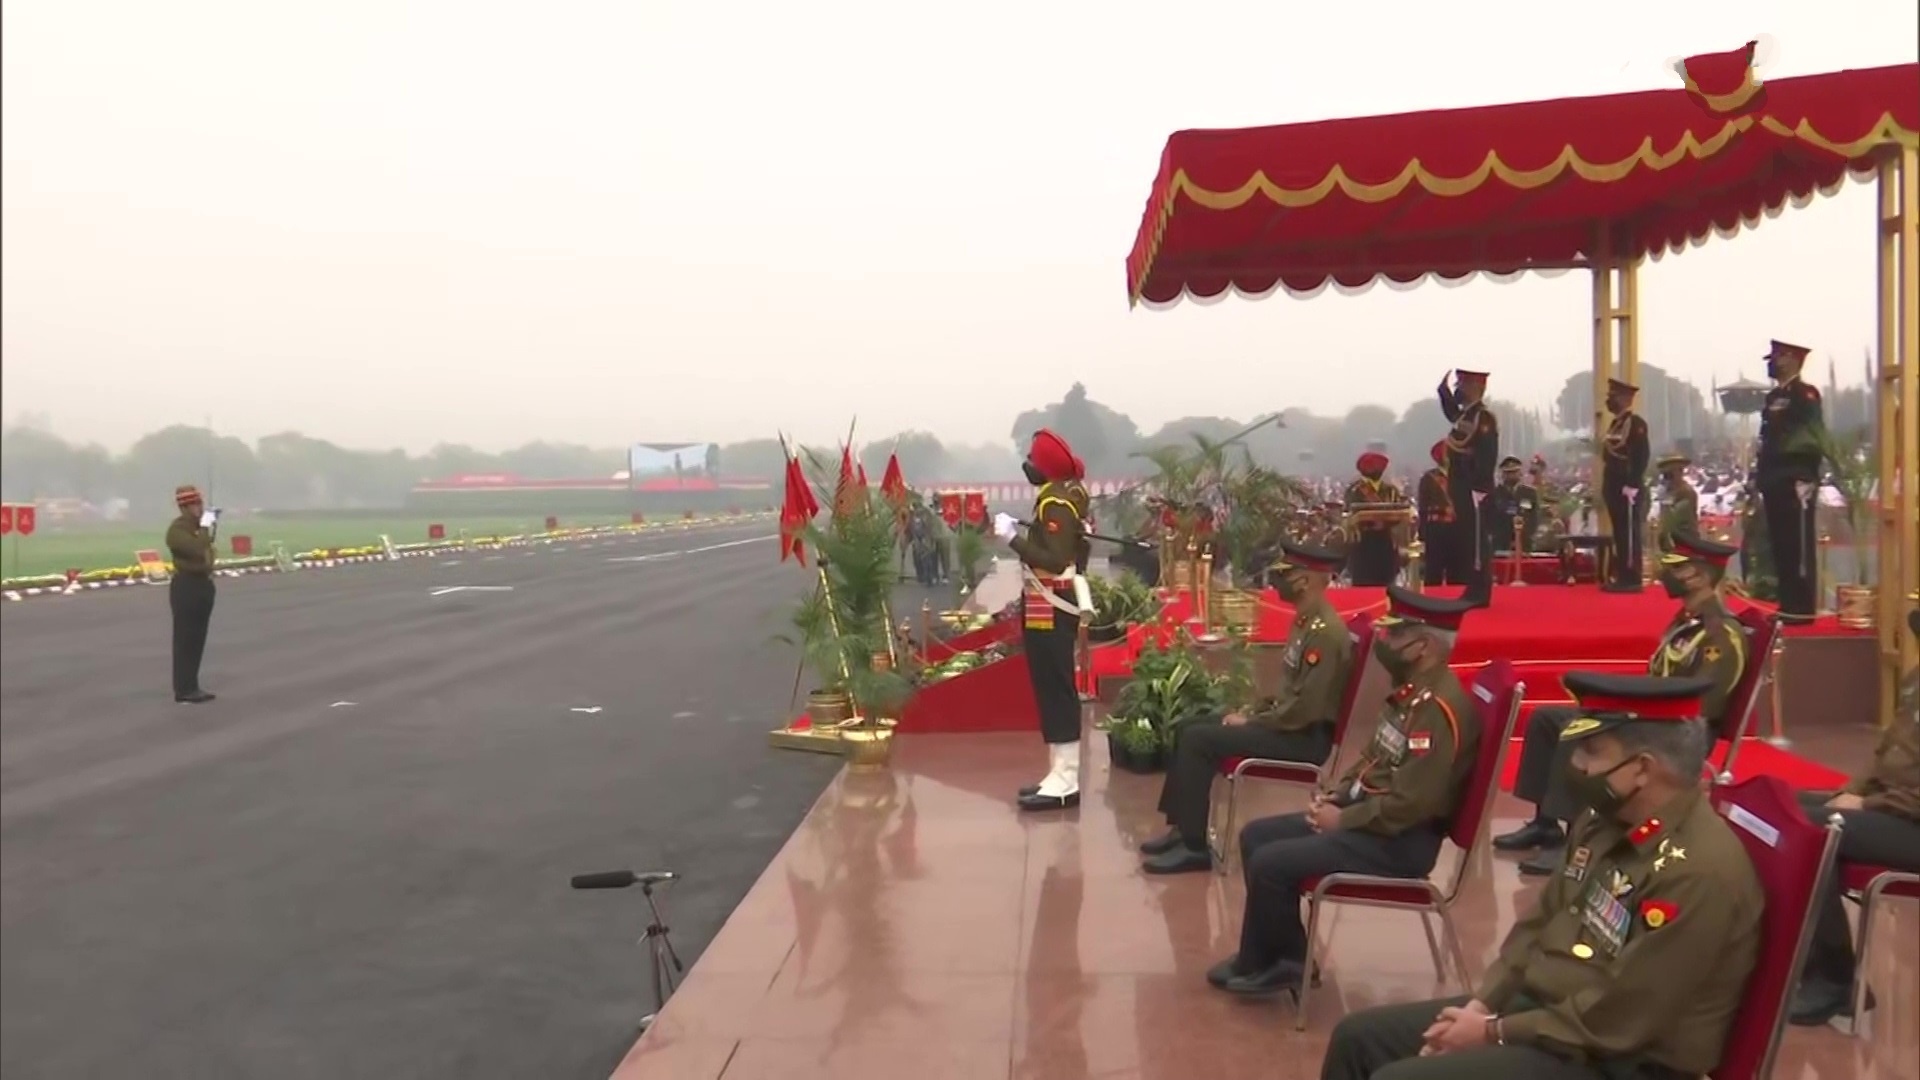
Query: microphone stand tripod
{"points": [[665, 964]]}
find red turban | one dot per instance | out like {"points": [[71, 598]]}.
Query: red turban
{"points": [[1051, 455], [1372, 464], [1439, 452]]}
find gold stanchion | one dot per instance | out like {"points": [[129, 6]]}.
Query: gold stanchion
{"points": [[1203, 596], [1776, 664], [1519, 575], [1415, 552]]}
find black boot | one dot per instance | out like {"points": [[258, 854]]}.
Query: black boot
{"points": [[1161, 844], [1538, 833]]}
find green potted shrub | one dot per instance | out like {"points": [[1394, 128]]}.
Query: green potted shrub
{"points": [[1854, 470], [1119, 602], [1169, 687]]}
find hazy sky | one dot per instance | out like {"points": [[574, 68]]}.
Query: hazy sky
{"points": [[399, 222]]}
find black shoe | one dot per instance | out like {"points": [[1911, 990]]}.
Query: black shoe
{"points": [[1037, 801], [1283, 977], [1224, 972], [1795, 620], [1180, 860], [1621, 587], [1538, 833], [1545, 862], [1029, 791], [1162, 844], [198, 697], [1817, 1002]]}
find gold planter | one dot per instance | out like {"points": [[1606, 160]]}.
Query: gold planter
{"points": [[827, 708], [868, 747], [1234, 609], [1855, 604]]}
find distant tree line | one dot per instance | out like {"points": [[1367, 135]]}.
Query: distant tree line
{"points": [[292, 471]]}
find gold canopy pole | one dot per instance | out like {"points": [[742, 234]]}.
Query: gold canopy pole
{"points": [[1601, 265], [1897, 425]]}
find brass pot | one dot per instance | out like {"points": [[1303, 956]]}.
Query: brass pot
{"points": [[827, 708], [1234, 609], [1856, 605], [867, 747]]}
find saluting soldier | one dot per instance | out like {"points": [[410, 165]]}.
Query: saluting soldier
{"points": [[1387, 815], [1295, 724], [1703, 640], [190, 591], [1439, 525], [1513, 501], [1625, 452], [1881, 808], [1787, 468], [1636, 955], [1473, 451], [1680, 510], [1053, 554], [1374, 559]]}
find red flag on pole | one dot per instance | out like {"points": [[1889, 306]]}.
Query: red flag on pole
{"points": [[893, 484], [844, 500], [796, 511]]}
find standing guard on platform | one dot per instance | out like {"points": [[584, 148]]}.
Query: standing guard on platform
{"points": [[1788, 472], [1625, 452], [1633, 962], [1053, 554], [1374, 559], [1473, 449], [1680, 508], [1513, 502], [1439, 525]]}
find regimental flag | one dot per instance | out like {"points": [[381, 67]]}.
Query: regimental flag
{"points": [[893, 486], [851, 490], [796, 512]]}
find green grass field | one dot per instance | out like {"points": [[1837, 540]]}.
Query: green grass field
{"points": [[54, 550]]}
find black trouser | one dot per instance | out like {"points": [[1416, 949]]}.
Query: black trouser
{"points": [[1278, 853], [1869, 836], [1373, 561], [1050, 669], [1542, 779], [191, 598], [1790, 536], [1474, 554], [1628, 520], [1200, 747], [1383, 1043], [1438, 562]]}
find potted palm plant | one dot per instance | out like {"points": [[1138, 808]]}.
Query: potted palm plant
{"points": [[1169, 687], [1119, 602], [1854, 471]]}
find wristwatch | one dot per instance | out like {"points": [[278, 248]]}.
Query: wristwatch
{"points": [[1493, 1032]]}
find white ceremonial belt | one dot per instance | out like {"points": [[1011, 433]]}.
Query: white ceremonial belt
{"points": [[1081, 592]]}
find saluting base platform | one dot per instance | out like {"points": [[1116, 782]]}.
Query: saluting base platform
{"points": [[915, 925]]}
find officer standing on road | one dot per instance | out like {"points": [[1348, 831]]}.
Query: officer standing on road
{"points": [[1787, 469], [1623, 484], [1635, 958], [1473, 452], [190, 592]]}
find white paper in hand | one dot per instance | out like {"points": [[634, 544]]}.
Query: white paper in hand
{"points": [[1005, 527], [207, 518]]}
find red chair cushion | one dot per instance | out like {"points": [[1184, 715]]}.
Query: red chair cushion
{"points": [[1855, 877], [1413, 892]]}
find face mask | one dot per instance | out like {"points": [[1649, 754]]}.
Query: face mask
{"points": [[1773, 370], [1290, 588], [1034, 476], [1592, 791], [1397, 664], [1674, 586]]}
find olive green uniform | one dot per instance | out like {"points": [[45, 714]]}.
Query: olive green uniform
{"points": [[1294, 724], [1885, 831], [1710, 645], [1055, 546], [1681, 514], [1396, 802], [190, 595], [1632, 965]]}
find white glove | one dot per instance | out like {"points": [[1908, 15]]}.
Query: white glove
{"points": [[207, 518], [1005, 527], [1630, 493], [1803, 489]]}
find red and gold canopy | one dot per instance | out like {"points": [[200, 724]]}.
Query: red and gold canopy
{"points": [[1501, 189]]}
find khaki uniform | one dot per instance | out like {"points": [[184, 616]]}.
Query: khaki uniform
{"points": [[1414, 771], [1374, 558], [1712, 646], [1314, 667], [190, 596], [1680, 516]]}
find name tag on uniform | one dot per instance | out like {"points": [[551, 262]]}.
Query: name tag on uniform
{"points": [[1606, 919], [1292, 656]]}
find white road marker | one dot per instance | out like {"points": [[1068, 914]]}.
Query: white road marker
{"points": [[658, 555], [588, 709], [445, 589], [343, 705]]}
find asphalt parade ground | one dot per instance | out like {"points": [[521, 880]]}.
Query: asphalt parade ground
{"points": [[355, 862]]}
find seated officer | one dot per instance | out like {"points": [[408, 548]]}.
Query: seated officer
{"points": [[1636, 955], [1703, 639], [1882, 814], [1295, 724], [1389, 812]]}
